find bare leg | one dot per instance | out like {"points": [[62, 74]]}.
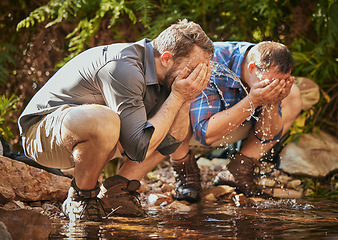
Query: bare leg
{"points": [[136, 171], [183, 149], [291, 107], [90, 133]]}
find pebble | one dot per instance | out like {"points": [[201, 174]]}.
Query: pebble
{"points": [[286, 193], [294, 183], [266, 182]]}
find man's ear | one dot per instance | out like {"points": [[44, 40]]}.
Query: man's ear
{"points": [[166, 58], [251, 67]]}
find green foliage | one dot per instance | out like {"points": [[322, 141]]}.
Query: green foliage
{"points": [[7, 108], [316, 58], [314, 47], [319, 189], [88, 15], [6, 59]]}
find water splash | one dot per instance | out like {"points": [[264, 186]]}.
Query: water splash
{"points": [[218, 70]]}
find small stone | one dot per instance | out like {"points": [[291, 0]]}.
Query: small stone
{"points": [[275, 173], [255, 200], [204, 162], [239, 199], [286, 193], [180, 206], [220, 162], [294, 183], [219, 191], [167, 187], [284, 179], [210, 198], [268, 191], [266, 182]]}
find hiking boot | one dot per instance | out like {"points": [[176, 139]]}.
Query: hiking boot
{"points": [[188, 179], [83, 205], [240, 173], [119, 196]]}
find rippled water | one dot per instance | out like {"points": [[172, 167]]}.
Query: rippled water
{"points": [[269, 219]]}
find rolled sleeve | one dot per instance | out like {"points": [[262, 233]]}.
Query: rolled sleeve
{"points": [[168, 145]]}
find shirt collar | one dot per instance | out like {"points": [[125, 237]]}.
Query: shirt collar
{"points": [[149, 64]]}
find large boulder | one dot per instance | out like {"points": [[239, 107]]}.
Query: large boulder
{"points": [[19, 181], [315, 155], [25, 224]]}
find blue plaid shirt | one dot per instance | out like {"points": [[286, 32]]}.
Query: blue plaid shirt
{"points": [[222, 92]]}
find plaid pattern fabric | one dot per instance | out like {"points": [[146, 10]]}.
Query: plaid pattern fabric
{"points": [[223, 91]]}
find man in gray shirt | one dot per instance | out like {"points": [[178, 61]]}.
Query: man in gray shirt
{"points": [[130, 97]]}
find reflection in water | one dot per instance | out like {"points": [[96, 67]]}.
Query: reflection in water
{"points": [[268, 219]]}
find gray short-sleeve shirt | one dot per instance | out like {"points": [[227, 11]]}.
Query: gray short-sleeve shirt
{"points": [[121, 76]]}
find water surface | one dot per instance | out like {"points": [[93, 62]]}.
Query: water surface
{"points": [[268, 219]]}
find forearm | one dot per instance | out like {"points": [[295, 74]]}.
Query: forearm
{"points": [[163, 120], [179, 128], [225, 122]]}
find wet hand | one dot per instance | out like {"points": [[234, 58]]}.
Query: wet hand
{"points": [[287, 88], [266, 92], [188, 85]]}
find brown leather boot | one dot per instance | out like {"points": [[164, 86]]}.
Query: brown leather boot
{"points": [[119, 196], [240, 173], [188, 179], [83, 205]]}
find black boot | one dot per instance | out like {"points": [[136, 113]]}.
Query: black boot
{"points": [[188, 179]]}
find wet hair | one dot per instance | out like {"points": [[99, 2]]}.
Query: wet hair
{"points": [[270, 54], [180, 38]]}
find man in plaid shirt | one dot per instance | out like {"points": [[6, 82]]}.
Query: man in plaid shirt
{"points": [[260, 107]]}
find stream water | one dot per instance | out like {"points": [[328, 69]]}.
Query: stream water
{"points": [[268, 219]]}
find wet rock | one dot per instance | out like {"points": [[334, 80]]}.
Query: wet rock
{"points": [[180, 206], [267, 182], [210, 198], [294, 183], [218, 191], [315, 155], [167, 188], [286, 193], [4, 234], [220, 162], [204, 162], [283, 179], [19, 181], [14, 205], [159, 199], [26, 224], [239, 199]]}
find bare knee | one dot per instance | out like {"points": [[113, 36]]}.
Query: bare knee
{"points": [[91, 122], [291, 107], [296, 99]]}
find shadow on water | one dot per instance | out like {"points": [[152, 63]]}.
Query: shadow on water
{"points": [[278, 219]]}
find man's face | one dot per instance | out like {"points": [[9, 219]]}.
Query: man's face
{"points": [[271, 74], [196, 57]]}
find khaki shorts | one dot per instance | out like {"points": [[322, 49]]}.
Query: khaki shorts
{"points": [[240, 133], [43, 143]]}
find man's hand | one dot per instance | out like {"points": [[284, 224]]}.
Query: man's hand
{"points": [[188, 85], [269, 92], [286, 90]]}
